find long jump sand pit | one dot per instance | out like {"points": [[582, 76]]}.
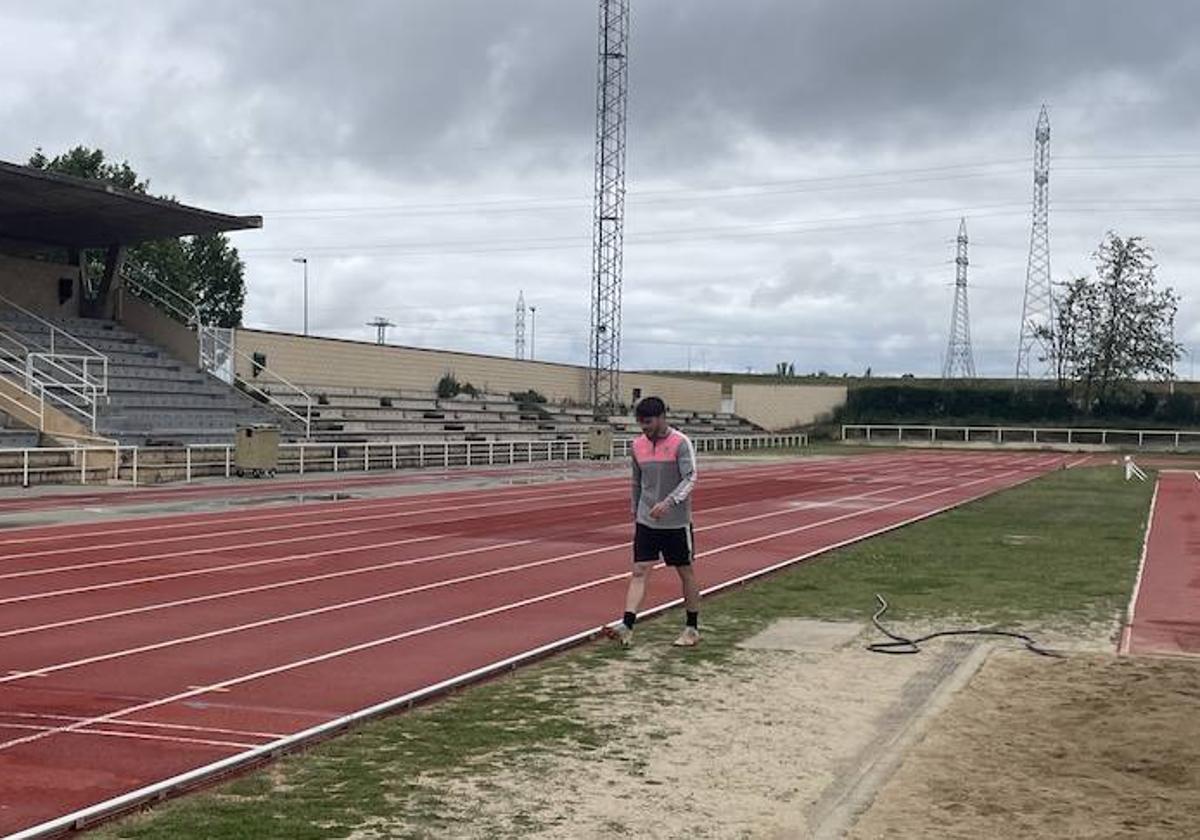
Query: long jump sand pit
{"points": [[1091, 746]]}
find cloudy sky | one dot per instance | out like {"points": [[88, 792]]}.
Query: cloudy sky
{"points": [[796, 168]]}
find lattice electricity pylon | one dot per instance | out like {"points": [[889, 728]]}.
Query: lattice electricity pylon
{"points": [[609, 211], [1038, 309], [960, 361], [381, 325], [520, 326]]}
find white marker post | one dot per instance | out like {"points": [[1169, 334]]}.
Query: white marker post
{"points": [[1132, 470]]}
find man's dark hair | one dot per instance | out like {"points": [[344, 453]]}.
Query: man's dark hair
{"points": [[651, 407]]}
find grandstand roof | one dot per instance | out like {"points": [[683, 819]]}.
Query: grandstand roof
{"points": [[52, 209]]}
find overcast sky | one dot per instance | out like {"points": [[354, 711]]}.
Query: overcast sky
{"points": [[796, 169]]}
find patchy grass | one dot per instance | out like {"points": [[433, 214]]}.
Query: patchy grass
{"points": [[1063, 548]]}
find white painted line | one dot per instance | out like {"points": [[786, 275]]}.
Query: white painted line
{"points": [[1127, 630], [441, 584], [390, 516], [355, 505], [136, 736], [205, 570], [184, 727]]}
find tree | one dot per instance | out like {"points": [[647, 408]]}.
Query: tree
{"points": [[1114, 328], [204, 268]]}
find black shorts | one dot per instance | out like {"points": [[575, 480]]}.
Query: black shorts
{"points": [[674, 545]]}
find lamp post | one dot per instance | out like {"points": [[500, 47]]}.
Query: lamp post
{"points": [[304, 261]]}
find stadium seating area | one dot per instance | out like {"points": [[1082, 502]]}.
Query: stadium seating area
{"points": [[354, 414], [152, 397]]}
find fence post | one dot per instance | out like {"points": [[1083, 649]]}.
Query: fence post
{"points": [[25, 469], [135, 466], [393, 455], [446, 455], [1141, 438], [301, 457], [1068, 435], [868, 434], [188, 461], [421, 455], [1177, 440], [335, 457], [366, 456], [83, 465], [491, 453], [512, 452], [228, 460]]}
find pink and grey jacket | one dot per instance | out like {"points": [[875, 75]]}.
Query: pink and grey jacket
{"points": [[664, 469]]}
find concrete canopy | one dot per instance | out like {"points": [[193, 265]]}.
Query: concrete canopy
{"points": [[47, 208]]}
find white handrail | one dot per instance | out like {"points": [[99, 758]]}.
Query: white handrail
{"points": [[187, 310], [18, 370], [1012, 435], [54, 328], [305, 418]]}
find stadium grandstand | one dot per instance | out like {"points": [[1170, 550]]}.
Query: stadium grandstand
{"points": [[104, 371]]}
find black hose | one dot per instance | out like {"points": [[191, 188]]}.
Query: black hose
{"points": [[903, 645]]}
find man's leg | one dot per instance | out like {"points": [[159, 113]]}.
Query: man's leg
{"points": [[691, 602], [633, 600], [637, 587], [691, 589]]}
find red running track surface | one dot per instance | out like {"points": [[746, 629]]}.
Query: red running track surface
{"points": [[135, 651], [250, 488], [1165, 608]]}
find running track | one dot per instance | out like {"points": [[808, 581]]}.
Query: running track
{"points": [[1165, 609], [251, 488], [135, 651]]}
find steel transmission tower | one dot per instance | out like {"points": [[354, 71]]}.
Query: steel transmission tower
{"points": [[381, 325], [1038, 310], [609, 211], [520, 326], [960, 361]]}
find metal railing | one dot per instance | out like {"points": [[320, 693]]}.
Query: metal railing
{"points": [[727, 443], [66, 369], [879, 433], [217, 352], [37, 376], [83, 457], [130, 463]]}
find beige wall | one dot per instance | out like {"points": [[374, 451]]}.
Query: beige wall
{"points": [[333, 362], [778, 407], [146, 320], [34, 285]]}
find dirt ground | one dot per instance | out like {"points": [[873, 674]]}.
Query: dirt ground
{"points": [[1093, 746], [1089, 746], [740, 750]]}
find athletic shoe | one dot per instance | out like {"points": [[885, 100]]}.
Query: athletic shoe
{"points": [[690, 637], [621, 634]]}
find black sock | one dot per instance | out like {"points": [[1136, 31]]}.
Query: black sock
{"points": [[693, 619], [629, 619]]}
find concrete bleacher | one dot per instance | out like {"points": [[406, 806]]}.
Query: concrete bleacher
{"points": [[152, 396], [380, 415], [377, 414]]}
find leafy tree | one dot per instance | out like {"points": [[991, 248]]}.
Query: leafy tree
{"points": [[1114, 328]]}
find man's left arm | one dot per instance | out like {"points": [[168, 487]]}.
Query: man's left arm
{"points": [[685, 458]]}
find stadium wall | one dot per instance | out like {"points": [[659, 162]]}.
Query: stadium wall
{"points": [[34, 285], [313, 362], [778, 407]]}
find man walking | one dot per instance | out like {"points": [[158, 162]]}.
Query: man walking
{"points": [[664, 473]]}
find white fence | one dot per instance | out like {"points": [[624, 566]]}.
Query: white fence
{"points": [[731, 443], [131, 463], [1165, 439]]}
